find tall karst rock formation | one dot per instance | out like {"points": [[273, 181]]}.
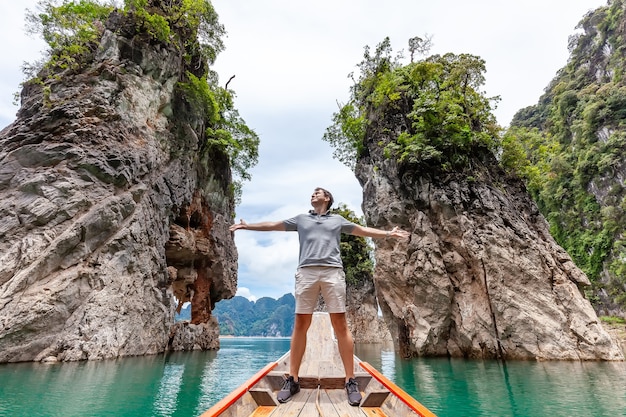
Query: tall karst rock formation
{"points": [[480, 275], [112, 206]]}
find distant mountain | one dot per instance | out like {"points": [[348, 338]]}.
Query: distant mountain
{"points": [[239, 316]]}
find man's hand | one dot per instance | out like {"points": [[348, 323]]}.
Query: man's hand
{"points": [[398, 233], [241, 225]]}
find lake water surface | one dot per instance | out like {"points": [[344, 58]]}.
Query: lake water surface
{"points": [[186, 384]]}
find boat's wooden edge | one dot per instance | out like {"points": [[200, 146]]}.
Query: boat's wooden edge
{"points": [[235, 395], [411, 402]]}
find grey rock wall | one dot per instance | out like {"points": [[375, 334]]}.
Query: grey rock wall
{"points": [[96, 171], [364, 322], [480, 276]]}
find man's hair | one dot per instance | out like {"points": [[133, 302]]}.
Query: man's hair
{"points": [[327, 194]]}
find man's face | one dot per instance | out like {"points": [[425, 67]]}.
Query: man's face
{"points": [[317, 197]]}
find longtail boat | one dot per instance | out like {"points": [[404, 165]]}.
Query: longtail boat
{"points": [[322, 391]]}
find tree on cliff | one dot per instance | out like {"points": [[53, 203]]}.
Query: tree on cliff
{"points": [[72, 30], [117, 187], [450, 118], [567, 148]]}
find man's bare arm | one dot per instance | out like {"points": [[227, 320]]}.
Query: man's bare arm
{"points": [[260, 227], [379, 233]]}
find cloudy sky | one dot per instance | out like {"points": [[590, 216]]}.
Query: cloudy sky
{"points": [[291, 62]]}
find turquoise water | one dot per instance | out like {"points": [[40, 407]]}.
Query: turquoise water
{"points": [[186, 384], [457, 387]]}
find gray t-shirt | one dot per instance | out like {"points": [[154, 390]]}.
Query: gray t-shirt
{"points": [[319, 237]]}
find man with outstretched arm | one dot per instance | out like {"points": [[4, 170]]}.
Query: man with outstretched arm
{"points": [[320, 270]]}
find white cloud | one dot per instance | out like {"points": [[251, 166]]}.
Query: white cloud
{"points": [[289, 55], [15, 49], [245, 292]]}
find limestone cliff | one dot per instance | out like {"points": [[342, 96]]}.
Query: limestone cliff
{"points": [[480, 277], [111, 208], [362, 313], [580, 118]]}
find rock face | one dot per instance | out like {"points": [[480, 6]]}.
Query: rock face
{"points": [[579, 111], [110, 206], [480, 276], [362, 314]]}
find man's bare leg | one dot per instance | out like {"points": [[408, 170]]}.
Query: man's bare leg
{"points": [[298, 343], [345, 342]]}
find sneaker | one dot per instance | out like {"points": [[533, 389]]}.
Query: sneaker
{"points": [[352, 388], [290, 388]]}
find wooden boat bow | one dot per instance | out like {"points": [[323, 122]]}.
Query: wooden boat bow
{"points": [[322, 392]]}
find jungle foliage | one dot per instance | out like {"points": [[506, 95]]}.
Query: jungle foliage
{"points": [[437, 116], [356, 251], [72, 31], [570, 147]]}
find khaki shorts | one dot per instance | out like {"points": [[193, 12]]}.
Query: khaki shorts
{"points": [[327, 280]]}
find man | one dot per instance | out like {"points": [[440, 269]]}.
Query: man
{"points": [[320, 270]]}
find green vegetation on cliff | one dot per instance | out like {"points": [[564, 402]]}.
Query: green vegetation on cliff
{"points": [[73, 30], [356, 251], [570, 147], [439, 115]]}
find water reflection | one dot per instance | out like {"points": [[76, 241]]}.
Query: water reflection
{"points": [[168, 390], [177, 384], [457, 387]]}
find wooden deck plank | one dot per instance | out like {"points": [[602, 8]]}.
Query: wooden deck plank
{"points": [[338, 382], [294, 406], [326, 405], [339, 399], [263, 396], [309, 409], [329, 369], [322, 387], [273, 381], [321, 346], [393, 406], [374, 398]]}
